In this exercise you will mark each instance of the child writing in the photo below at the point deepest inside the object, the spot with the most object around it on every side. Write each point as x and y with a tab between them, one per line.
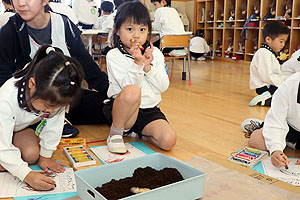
282	123
137	78
265	70
40	93
198	46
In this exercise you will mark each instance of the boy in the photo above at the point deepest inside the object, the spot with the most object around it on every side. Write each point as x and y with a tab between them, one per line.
107	8
9	11
166	20
265	70
281	127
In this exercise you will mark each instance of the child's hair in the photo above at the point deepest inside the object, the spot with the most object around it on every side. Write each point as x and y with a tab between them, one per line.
134	12
199	33
167	1
8	2
118	3
273	29
57	77
107	6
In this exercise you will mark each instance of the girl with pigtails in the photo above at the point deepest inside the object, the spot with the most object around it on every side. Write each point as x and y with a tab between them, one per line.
32	109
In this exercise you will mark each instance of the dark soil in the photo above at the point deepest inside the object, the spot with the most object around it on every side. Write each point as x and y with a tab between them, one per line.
142	178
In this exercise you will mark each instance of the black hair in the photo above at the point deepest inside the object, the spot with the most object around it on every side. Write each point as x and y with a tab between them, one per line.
118	3
133	11
57	77
159	1
56	1
8	2
107	6
273	29
199	33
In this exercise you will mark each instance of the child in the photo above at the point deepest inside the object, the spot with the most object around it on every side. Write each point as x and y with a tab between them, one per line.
137	77
107	8
26	31
292	65
282	123
9	11
198	46
265	70
32	108
166	20
86	12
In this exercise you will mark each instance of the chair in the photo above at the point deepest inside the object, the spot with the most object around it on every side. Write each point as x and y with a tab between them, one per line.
178	41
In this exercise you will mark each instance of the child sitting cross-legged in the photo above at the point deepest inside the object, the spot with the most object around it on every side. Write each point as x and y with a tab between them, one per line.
265	70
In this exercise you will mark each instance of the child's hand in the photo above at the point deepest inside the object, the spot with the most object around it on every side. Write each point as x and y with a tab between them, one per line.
148	58
298	162
48	163
39	181
279	159
136	52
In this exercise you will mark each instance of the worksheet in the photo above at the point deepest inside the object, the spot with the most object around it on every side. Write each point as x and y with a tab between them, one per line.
290	175
11	186
107	157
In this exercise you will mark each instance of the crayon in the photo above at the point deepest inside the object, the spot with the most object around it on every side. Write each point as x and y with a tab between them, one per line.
140	47
286	166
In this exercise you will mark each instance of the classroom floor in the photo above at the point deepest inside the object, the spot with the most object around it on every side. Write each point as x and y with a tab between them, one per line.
206	115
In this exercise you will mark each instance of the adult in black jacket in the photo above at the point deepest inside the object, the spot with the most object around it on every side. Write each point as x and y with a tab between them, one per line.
20	39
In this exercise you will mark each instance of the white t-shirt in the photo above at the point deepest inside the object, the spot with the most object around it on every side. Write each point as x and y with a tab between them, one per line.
4	17
122	71
100	21
64	9
291	66
285	109
199	45
265	70
85	11
167	22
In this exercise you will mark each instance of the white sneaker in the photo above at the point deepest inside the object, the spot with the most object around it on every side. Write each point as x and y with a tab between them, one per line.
115	144
201	58
250	125
260	99
193	58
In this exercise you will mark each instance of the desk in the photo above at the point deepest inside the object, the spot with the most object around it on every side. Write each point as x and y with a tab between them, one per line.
89	33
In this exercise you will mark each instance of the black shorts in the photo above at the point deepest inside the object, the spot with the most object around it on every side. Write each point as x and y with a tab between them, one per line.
293	135
145	116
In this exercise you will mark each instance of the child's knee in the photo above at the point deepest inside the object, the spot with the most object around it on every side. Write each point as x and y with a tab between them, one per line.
256	139
131	93
168	141
31	155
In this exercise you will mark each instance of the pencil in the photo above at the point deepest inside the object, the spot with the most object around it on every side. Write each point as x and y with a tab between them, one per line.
286	166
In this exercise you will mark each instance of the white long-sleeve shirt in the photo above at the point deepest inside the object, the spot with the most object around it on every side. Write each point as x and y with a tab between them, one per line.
265	69
86	12
167	22
122	71
14	119
64	9
199	45
285	109
291	66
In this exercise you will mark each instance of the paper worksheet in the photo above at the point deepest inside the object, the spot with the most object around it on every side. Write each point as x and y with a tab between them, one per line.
290	175
11	186
107	157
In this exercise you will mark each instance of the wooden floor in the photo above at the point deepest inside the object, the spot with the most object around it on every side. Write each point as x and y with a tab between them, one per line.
206	116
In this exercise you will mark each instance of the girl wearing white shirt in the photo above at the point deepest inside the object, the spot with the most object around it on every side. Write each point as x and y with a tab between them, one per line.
32	110
137	77
198	46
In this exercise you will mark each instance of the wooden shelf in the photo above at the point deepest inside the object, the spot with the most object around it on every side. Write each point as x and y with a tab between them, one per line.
221	11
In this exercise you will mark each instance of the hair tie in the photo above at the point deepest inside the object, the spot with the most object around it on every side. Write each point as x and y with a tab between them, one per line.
72	83
49	49
67	63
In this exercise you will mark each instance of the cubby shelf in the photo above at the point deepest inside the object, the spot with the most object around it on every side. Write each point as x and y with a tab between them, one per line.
215	18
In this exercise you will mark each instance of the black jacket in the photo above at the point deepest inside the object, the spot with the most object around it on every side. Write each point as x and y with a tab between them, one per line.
15	51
